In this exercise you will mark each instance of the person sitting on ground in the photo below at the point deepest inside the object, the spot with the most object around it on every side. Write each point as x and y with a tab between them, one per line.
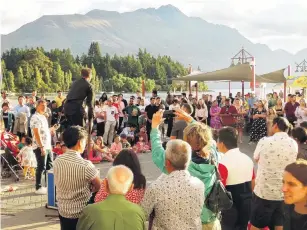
143	134
115	212
141	146
73	193
178	206
57	149
300	135
130	133
128	158
125	142
295	195
63	148
101	151
116	146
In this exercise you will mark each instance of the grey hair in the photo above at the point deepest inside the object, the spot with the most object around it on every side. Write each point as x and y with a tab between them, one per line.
119	179
179	153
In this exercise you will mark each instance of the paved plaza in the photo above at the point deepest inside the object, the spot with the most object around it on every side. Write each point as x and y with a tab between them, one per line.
22	209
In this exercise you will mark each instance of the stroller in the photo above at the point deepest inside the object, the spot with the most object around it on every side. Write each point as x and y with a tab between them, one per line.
9	151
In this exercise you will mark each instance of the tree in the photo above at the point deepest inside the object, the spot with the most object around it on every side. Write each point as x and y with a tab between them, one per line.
10	81
95	79
19	79
46	78
202	87
57	68
58	77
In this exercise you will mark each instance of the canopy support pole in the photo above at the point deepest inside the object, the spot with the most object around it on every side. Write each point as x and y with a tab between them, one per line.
143	88
228	88
285	91
285	83
254	75
196	91
242	89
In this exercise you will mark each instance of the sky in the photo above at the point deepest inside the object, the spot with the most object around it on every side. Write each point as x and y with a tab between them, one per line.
280	24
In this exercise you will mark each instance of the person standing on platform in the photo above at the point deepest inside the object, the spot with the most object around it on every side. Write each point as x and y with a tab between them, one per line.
80	90
41	146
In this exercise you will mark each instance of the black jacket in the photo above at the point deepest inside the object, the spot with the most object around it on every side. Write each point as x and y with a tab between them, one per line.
79	91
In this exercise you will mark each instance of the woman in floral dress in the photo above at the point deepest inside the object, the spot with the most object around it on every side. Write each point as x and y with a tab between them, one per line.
259	129
215	122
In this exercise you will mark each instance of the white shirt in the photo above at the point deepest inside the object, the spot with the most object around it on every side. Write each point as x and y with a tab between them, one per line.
274	154
201	112
177	199
40	121
98	109
237	174
173	107
301	114
127	132
22	109
142	108
111	111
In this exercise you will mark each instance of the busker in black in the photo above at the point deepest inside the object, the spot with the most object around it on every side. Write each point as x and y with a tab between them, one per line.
79	91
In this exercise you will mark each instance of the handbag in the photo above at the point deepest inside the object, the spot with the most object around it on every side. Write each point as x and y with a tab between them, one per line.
219	199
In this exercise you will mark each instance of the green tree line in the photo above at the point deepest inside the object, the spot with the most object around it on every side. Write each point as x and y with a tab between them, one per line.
48	71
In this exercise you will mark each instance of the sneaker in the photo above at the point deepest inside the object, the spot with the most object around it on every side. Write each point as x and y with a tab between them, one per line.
41	191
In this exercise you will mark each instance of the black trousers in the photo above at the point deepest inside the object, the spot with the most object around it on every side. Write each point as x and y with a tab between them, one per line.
100	129
75	119
169	127
119	128
68	224
148	129
44	163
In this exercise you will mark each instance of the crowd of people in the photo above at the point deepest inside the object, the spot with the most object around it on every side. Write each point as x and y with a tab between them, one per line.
206	181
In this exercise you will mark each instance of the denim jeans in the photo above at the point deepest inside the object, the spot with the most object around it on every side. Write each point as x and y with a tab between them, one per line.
44	163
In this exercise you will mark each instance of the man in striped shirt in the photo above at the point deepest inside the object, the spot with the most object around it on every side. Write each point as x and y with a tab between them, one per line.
73	177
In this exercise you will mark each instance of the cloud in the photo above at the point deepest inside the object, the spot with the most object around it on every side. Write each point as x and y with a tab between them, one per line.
281	24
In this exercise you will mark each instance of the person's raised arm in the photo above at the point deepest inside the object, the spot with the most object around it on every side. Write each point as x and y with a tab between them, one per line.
157	150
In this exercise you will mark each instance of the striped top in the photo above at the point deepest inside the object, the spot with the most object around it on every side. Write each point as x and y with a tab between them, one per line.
72	178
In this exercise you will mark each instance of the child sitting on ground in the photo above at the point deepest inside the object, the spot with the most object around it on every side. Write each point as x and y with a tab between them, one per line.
57	149
102	151
141	146
27	159
130	133
63	148
116	147
125	142
143	134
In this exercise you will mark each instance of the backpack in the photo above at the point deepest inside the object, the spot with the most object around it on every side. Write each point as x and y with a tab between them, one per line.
219	199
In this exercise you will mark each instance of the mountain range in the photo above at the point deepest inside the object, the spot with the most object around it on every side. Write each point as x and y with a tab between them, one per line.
164	31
